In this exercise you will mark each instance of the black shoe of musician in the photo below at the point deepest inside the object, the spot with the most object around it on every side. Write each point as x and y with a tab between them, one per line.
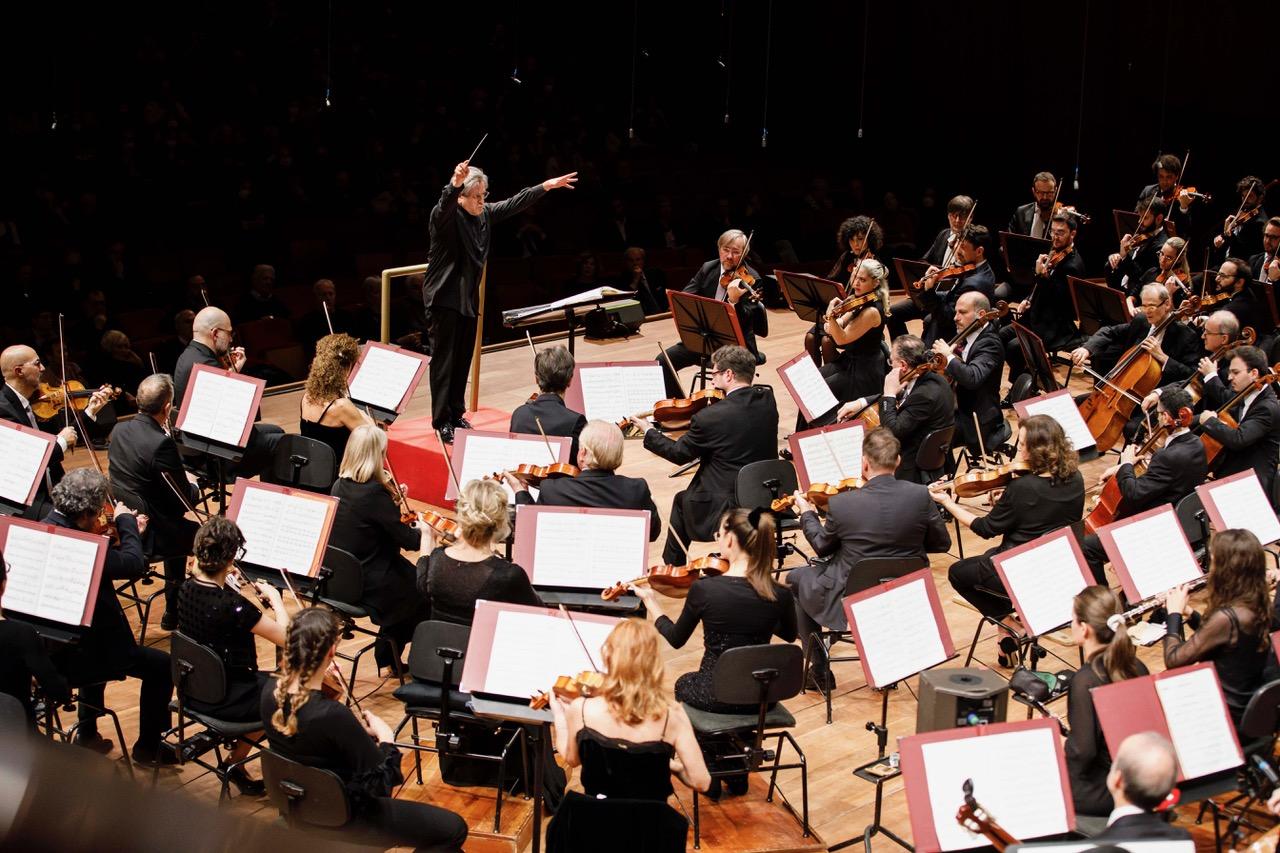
169	622
1006	403
785	453
245	785
446	433
737	785
158	756
462	423
821	680
95	742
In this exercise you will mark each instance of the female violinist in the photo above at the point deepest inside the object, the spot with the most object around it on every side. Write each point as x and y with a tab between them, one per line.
859	238
1171	269
1049	496
327	413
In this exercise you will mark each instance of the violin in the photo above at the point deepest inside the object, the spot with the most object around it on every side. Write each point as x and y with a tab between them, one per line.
945	272
819	494
742	274
670	579
105	525
850	304
52	399
584	684
1194	384
1242	216
676	413
535	474
238	582
1177	190
1059	207
973	483
1212	447
1052	261
446	529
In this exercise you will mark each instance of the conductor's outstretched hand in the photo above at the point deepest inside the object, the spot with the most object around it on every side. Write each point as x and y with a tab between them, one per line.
563	181
460	173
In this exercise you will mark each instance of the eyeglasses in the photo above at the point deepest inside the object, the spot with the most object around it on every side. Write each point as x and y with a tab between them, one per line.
227	332
1224	275
1153	306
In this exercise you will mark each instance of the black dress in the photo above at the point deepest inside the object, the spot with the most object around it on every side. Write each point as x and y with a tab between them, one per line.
1088	761
732	615
22	658
452	587
334	436
1230	637
859	369
223	620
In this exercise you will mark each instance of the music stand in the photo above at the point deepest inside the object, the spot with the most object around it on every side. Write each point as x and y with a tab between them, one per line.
23	447
1263	292
1037	358
572	308
384	378
704	325
1126	222
911	271
221	448
1020	253
808	296
1097	305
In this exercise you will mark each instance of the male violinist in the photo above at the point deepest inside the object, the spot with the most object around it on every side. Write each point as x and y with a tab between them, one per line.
975	365
1255	441
1233	279
1033	219
1138	251
942	294
1048	310
718	280
1265	265
1168	168
916	409
941	253
547	413
1221	335
1243	240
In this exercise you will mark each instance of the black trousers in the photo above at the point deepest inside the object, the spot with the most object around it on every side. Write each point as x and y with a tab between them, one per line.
152	667
681	357
401	632
679	526
1095	556
453	338
967	575
387	822
902	311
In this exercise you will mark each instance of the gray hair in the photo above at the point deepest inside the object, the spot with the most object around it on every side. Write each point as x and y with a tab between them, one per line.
603	443
1148	769
729	236
1158	289
474	176
154	392
1227	322
553	369
81	491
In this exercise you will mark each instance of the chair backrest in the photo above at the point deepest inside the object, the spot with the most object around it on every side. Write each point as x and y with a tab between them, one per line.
430	638
740	673
305	794
346	576
934	453
303	463
871	571
198	673
1190	512
1024	387
1262	714
751	489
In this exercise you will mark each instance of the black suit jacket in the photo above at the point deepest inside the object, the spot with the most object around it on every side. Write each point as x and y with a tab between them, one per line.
938	249
596	488
751	315
885	518
1137	827
977	384
195	353
1137	262
741	428
1173	473
1254	444
1022	219
1180	342
141	453
556	419
1052	315
1250	310
930	406
942	313
12	410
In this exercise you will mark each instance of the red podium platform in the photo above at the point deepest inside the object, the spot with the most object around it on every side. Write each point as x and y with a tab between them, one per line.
418	458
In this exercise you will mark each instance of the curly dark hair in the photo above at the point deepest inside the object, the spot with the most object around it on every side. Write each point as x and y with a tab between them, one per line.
217	542
335	356
1048	451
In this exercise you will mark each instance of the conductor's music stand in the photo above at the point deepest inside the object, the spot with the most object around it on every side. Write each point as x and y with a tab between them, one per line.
808	296
704	325
1096	305
1020	253
1037	358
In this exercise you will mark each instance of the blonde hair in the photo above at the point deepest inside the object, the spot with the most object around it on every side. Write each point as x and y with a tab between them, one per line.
603	443
362	460
633	683
879	273
312	632
482	513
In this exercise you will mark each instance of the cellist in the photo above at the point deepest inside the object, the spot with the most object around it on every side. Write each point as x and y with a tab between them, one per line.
1254	442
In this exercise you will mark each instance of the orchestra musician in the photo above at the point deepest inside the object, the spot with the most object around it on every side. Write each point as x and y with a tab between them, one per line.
1144	772
1168	169
23	658
887	517
598	484
942	295
1265	265
941	253
741	428
1245	239
859	238
108	651
1032	219
1171	269
1109	656
461	229
1049	496
547	414
1255	441
308	727
1048	310
226	620
327	413
146	468
975	365
1173	472
752	318
1234	277
1131	261
1220	331
211	345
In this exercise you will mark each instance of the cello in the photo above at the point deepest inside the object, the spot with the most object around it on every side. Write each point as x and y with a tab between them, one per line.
1135	375
1107	507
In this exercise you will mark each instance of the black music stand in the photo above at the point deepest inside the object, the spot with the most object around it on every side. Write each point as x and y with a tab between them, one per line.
1097	305
909	272
808	296
1020	253
221	454
704	325
1264	293
1126	222
1037	358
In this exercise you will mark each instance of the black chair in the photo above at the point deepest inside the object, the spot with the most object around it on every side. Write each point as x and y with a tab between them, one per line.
199	674
1023	388
305	796
49	719
1195	526
302	463
435	667
340	589
761	483
934	456
762	676
865	574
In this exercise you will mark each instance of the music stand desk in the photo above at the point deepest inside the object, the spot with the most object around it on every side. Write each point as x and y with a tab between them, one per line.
571	310
623	605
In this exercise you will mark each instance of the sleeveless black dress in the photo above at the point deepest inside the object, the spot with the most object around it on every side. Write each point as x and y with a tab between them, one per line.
334	436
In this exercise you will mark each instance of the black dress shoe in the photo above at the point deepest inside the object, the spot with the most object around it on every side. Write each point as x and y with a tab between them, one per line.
95	743
737	785
785	453
446	433
158	756
169	622
462	423
245	785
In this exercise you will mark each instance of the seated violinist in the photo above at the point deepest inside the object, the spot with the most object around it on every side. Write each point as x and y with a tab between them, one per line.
1265	264
941	294
941	253
546	414
1241	233
885	518
599	455
1138	251
1048	496
1171	269
1232	288
859	238
1048	309
974	365
1254	442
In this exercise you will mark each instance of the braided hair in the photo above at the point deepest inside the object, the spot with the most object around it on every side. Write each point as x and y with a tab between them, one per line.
312	633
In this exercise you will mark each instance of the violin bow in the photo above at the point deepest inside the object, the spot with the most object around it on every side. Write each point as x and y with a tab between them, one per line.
826	439
448	463
1204	279
528	337
574	626
404	502
538	421
205	296
662	351
949	255
324	306
62	351
186	504
977	430
1226	232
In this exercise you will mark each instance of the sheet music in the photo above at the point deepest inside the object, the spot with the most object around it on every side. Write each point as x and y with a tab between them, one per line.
613	393
50	575
898	632
1199	727
531	650
809	388
484	455
1156	554
1062	408
1242	504
585	550
219	407
1044	579
281	531
384	377
816	451
1015	778
23	455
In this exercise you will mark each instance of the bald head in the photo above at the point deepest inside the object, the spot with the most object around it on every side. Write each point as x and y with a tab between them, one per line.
14	357
975	301
206	326
21	368
1144	771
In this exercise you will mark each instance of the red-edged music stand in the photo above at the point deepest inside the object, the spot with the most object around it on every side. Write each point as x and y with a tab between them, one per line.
808	296
1020	574
17	440
42	615
591	574
806	411
575	401
372	353
1167	528
1096	304
321	536
1020	253
1126	222
1060	405
803	475
1239	501
538	452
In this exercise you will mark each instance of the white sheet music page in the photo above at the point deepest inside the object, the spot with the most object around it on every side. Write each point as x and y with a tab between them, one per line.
485	455
1015	778
898	632
1044	580
281	531
1062	408
49	575
532	650
809	388
821	465
1198	723
219	407
383	378
619	391
1156	554
23	455
1242	504
579	549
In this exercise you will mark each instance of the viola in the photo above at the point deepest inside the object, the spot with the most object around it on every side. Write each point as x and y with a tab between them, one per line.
945	272
1194	384
671	579
819	494
678	412
535	474
850	304
973	483
570	688
446	528
52	399
1212	447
